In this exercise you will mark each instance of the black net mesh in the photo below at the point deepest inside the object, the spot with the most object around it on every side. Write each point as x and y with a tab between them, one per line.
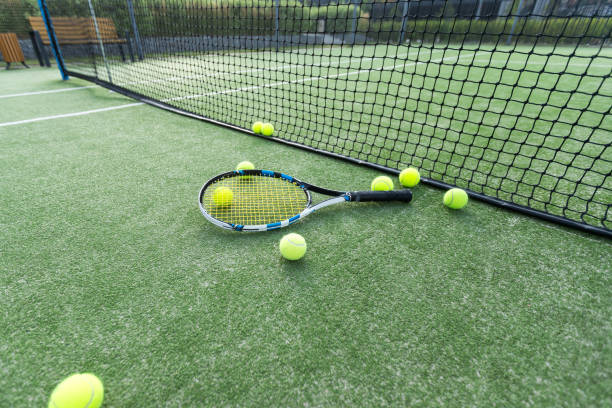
509	99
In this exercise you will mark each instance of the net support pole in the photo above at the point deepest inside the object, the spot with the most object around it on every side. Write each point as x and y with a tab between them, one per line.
135	30
354	24
404	17
276	22
540	8
516	17
479	10
57	52
95	21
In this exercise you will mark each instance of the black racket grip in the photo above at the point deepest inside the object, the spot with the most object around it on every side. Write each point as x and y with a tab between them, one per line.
398	195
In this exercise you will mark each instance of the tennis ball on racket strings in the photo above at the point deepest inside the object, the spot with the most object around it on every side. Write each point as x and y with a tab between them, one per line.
293	247
409	177
78	391
382	183
455	198
267	129
222	196
245	165
257	127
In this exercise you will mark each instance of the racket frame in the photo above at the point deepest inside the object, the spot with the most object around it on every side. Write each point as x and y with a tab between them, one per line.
337	197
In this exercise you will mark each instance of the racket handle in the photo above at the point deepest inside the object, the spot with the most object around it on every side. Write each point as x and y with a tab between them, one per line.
399	195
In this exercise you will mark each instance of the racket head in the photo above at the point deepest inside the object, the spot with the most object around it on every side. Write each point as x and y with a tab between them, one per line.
260	200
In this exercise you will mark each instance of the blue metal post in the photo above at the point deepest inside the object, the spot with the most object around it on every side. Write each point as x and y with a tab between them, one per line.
57	53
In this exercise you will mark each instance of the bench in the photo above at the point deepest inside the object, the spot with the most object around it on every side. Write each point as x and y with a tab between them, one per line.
81	31
11	50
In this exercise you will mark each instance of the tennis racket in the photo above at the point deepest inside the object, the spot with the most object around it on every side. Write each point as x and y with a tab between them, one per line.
263	200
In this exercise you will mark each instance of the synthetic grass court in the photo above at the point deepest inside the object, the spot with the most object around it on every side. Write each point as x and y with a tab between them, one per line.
523	124
107	266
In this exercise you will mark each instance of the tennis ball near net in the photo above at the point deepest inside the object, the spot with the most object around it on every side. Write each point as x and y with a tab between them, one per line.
267	129
222	196
78	391
409	177
382	183
455	198
293	246
257	127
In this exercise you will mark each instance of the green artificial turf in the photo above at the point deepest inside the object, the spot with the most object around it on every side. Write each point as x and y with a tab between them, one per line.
107	266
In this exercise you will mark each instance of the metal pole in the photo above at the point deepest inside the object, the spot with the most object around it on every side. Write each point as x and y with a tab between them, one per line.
354	28
479	11
95	21
276	23
38	50
598	8
135	30
404	17
516	17
57	52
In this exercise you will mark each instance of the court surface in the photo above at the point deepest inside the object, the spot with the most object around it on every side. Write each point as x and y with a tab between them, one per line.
107	266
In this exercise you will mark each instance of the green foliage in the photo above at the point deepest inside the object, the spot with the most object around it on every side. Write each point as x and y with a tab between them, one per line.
75	8
234	17
258	18
339	18
544	31
242	17
14	14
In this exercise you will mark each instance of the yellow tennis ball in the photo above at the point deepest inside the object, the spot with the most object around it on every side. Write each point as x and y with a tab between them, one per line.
455	198
267	129
293	247
78	391
382	183
222	196
245	165
257	127
409	177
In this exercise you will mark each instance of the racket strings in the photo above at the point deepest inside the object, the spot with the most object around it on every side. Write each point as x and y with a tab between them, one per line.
255	200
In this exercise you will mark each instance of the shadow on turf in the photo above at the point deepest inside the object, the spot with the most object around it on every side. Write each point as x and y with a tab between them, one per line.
299	272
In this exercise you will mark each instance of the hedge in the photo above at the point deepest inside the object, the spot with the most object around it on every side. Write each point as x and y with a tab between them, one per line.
257	17
542	31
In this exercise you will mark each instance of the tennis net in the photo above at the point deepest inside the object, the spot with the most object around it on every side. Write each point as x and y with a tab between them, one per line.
508	99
